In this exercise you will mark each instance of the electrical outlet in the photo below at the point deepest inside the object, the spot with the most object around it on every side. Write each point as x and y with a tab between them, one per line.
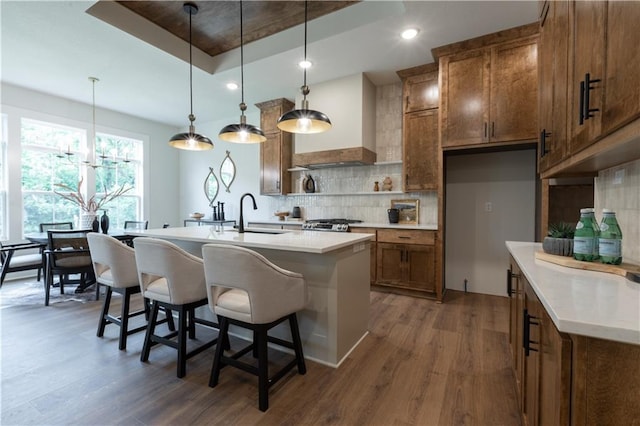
488	206
618	177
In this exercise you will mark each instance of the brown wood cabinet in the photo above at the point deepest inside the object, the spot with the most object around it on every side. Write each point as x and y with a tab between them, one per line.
275	152
566	379
488	90
420	148
553	74
406	260
605	79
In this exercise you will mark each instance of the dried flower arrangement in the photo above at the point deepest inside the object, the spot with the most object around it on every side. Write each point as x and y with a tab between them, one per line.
92	204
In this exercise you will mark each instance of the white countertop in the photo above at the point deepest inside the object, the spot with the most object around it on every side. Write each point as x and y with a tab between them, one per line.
288	240
352	225
588	303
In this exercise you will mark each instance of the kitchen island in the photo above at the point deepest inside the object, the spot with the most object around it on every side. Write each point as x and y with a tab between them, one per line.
335	267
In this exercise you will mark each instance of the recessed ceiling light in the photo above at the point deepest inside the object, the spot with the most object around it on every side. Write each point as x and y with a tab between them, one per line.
409	33
232	86
305	64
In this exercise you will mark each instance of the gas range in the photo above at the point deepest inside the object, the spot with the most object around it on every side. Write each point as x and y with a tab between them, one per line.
328	225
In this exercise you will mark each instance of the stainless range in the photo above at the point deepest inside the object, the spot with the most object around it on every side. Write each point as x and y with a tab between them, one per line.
329	225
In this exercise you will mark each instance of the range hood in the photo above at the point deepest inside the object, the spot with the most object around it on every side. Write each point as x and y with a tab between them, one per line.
350	103
344	157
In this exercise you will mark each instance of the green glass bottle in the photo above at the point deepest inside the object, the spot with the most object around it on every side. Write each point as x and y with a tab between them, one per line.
585	239
610	242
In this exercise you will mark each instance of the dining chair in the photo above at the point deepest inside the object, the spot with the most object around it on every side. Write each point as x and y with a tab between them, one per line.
247	290
44	227
67	253
135	224
13	261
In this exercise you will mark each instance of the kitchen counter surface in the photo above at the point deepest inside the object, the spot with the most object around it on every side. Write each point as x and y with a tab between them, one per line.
289	240
593	304
353	225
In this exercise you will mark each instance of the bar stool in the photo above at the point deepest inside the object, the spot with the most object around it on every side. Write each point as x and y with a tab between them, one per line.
247	290
174	279
114	265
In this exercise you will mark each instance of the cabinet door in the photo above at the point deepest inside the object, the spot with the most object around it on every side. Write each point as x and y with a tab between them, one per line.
514	92
420	267
515	321
464	98
553	77
390	260
531	372
420	92
622	86
420	151
272	169
587	38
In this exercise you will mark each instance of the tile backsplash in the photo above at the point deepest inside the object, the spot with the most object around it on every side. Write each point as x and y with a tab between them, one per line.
618	189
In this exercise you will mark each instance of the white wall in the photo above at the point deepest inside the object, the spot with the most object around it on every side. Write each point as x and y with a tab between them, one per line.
161	179
475	237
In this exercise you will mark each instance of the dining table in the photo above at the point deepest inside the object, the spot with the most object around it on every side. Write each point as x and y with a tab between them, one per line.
42	238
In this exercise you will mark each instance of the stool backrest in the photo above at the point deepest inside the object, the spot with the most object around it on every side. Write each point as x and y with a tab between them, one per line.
273	291
114	263
184	272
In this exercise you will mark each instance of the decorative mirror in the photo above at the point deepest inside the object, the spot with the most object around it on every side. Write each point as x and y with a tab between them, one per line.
211	186
227	171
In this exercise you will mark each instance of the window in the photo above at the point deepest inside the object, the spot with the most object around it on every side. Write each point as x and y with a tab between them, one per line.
47	159
54	153
123	159
3	177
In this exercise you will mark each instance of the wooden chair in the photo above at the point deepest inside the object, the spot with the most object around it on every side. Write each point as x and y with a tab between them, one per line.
68	253
13	261
134	224
44	227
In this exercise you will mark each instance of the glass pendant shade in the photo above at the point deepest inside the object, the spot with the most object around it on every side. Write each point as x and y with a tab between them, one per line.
242	132
304	120
190	140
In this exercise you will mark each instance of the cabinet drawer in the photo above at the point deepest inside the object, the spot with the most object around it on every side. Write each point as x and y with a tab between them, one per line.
408	236
365	231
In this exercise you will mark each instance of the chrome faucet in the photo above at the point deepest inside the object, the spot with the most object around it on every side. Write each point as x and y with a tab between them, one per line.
255	207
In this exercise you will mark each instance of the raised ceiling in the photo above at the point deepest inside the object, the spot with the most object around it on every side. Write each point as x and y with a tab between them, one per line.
216	26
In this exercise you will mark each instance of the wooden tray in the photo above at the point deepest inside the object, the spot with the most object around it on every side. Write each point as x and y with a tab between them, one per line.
628	270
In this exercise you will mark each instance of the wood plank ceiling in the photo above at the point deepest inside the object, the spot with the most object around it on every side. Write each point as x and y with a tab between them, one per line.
216	26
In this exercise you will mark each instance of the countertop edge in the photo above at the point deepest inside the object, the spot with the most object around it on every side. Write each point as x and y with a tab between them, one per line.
555	296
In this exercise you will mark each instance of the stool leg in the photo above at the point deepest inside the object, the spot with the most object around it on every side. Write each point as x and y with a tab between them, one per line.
223	336
105	312
169	315
124	319
192	323
182	341
297	343
263	369
151	328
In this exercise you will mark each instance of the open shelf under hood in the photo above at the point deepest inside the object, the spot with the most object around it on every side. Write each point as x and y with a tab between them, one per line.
358	156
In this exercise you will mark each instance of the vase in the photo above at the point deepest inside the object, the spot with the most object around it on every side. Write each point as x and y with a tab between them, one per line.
104	222
86	220
95	225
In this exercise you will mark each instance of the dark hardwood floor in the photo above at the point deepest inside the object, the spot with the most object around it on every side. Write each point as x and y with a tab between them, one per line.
422	363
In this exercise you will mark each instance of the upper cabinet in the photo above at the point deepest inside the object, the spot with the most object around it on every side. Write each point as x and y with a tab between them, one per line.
420	153
275	152
603	86
605	79
553	74
488	89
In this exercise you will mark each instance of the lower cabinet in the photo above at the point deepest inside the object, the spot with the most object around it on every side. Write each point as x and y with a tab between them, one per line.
406	260
566	379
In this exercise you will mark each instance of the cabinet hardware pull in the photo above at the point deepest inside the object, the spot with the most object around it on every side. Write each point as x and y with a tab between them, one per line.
407	103
404	237
526	332
510	290
493	129
581	112
485	129
406	180
588	87
543	142
278	185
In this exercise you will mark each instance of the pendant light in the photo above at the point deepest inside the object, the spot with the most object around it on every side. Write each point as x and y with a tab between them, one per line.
243	132
191	140
304	120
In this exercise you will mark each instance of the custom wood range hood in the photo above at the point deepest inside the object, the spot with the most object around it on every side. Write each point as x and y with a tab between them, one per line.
358	156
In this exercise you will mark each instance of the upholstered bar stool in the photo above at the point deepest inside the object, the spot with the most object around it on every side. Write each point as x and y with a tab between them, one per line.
174	279
114	265
247	290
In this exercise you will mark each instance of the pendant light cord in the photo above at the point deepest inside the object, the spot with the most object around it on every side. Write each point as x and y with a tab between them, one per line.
241	61
305	44
190	70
